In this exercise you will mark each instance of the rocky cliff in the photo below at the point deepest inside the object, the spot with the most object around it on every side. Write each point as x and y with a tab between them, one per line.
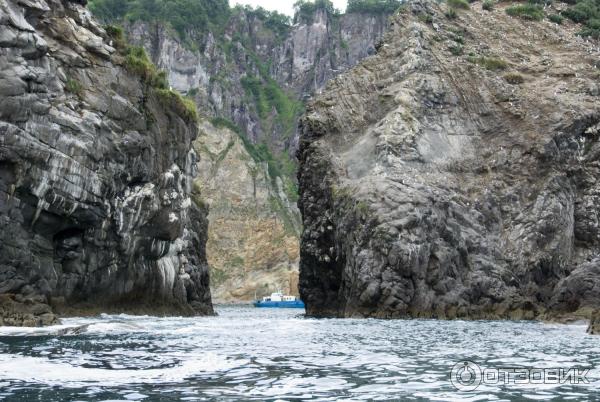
455	173
252	244
241	75
254	76
96	170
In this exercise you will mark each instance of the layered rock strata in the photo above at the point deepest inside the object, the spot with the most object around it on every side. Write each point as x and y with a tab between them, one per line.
455	173
95	176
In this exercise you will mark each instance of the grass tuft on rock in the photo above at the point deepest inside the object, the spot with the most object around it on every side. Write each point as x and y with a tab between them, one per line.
456	49
489	63
74	87
117	35
514	78
185	107
425	18
458	4
488	5
556	18
450	14
138	62
532	12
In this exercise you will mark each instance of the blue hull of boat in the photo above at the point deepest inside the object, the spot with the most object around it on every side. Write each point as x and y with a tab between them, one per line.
280	304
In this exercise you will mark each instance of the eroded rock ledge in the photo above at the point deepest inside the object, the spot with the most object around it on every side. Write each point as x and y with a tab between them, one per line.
95	177
455	173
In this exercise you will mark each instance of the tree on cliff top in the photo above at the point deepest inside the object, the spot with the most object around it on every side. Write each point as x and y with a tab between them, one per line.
304	10
181	15
373	6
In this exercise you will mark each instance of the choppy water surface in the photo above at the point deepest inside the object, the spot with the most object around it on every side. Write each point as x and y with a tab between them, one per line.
277	354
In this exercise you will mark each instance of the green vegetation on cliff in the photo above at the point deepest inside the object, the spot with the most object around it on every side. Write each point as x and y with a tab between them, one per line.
267	96
186	16
373	6
279	165
182	15
137	62
526	11
189	18
306	9
279	24
586	12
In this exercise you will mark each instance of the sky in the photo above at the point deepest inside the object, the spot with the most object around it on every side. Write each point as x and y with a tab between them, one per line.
283	6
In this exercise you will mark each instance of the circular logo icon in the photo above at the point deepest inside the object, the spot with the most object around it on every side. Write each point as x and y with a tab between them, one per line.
466	376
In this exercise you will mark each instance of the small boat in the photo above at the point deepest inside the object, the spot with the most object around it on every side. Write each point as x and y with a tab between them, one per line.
279	300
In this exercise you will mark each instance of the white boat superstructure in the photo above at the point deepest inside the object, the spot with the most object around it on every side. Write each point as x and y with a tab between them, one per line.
277	297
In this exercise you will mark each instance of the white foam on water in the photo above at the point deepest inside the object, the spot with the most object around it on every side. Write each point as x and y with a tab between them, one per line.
34	331
58	373
248	353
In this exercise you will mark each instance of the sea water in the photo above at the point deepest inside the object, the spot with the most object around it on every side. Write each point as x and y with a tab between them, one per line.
278	354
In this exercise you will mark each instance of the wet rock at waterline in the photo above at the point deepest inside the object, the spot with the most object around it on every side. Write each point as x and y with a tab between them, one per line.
594	328
95	176
454	174
17	310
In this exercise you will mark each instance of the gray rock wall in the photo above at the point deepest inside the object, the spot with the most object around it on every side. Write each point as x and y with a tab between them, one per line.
254	223
435	183
301	63
95	175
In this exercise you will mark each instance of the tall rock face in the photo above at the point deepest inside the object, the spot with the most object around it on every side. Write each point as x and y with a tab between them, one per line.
455	173
253	244
258	79
220	71
95	177
325	45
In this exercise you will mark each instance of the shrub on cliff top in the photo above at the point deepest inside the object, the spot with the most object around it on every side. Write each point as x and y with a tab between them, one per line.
304	10
591	29
138	62
459	4
586	12
117	34
373	6
487	5
182	15
279	24
489	63
583	10
526	11
185	107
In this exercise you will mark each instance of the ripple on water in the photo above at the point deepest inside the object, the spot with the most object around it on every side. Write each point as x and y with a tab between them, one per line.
247	353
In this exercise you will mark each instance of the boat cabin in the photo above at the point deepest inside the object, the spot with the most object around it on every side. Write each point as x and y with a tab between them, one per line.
278	296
